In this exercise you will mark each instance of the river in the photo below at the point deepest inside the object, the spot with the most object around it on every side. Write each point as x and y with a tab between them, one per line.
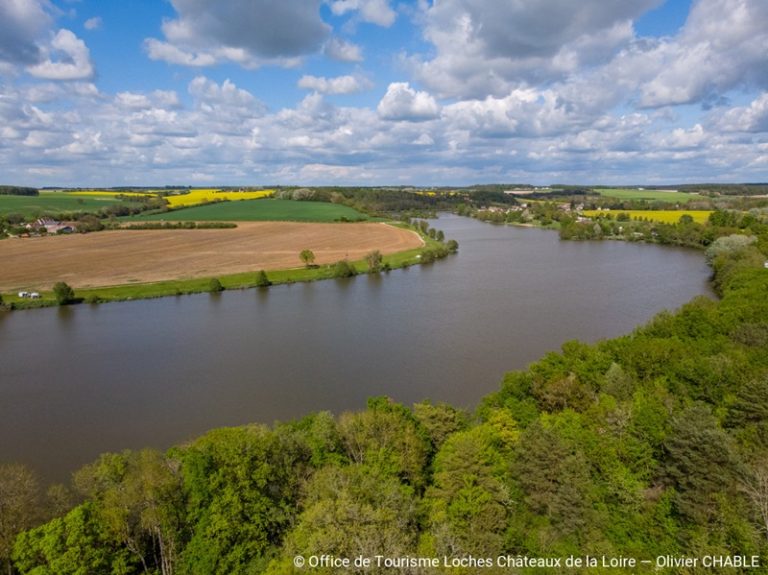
81	380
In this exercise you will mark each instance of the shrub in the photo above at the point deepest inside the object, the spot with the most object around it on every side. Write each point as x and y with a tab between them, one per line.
64	293
262	280
343	269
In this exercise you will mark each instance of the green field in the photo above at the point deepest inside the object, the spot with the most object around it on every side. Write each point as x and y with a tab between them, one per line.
53	203
259	211
649	195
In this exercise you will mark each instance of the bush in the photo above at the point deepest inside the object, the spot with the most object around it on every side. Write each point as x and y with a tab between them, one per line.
215	286
727	246
262	280
374	260
343	269
64	293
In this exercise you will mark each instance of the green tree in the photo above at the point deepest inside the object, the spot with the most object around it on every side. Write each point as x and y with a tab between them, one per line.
18	506
241	486
75	544
343	269
555	479
699	462
214	286
469	502
351	511
374	260
137	497
754	484
64	293
439	421
262	280
307	257
386	433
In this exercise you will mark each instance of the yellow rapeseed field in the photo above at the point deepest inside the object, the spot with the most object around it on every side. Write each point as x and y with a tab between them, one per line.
192	198
664	216
107	193
200	196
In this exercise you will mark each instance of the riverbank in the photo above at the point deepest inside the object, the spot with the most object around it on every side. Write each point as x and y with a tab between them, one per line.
429	251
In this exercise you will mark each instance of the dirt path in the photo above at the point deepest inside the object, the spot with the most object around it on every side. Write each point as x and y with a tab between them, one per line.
139	256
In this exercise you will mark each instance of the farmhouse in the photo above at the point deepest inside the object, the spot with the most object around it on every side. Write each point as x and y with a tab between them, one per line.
51	226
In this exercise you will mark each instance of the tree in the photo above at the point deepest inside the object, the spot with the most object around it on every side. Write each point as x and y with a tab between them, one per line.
699	462
343	269
728	245
18	506
215	286
755	485
64	293
262	280
374	260
71	545
307	257
350	511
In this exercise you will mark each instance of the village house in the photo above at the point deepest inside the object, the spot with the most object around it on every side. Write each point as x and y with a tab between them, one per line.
51	226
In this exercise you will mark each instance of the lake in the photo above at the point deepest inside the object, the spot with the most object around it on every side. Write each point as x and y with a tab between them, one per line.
78	381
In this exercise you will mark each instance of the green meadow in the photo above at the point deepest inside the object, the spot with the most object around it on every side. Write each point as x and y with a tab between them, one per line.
53	203
258	211
648	195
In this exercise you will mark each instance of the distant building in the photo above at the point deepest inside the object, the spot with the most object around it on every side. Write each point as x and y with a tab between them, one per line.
51	226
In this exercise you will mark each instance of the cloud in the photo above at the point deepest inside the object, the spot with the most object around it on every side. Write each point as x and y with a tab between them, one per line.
73	59
491	46
338	85
94	23
721	47
158	50
247	32
159	98
752	118
376	12
401	102
21	24
226	99
342	50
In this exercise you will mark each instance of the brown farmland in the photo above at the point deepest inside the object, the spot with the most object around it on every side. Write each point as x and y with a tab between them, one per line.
140	256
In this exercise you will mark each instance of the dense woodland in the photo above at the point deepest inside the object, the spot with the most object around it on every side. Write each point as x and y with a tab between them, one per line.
651	444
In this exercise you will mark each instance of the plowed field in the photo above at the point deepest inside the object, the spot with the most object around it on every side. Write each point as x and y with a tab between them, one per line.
139	256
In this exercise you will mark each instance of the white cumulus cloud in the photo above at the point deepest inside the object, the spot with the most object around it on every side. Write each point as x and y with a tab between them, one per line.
401	102
67	58
342	50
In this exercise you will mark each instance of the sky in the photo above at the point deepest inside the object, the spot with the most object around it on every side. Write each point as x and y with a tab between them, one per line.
382	92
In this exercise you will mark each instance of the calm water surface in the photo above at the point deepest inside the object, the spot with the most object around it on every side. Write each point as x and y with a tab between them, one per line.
75	382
